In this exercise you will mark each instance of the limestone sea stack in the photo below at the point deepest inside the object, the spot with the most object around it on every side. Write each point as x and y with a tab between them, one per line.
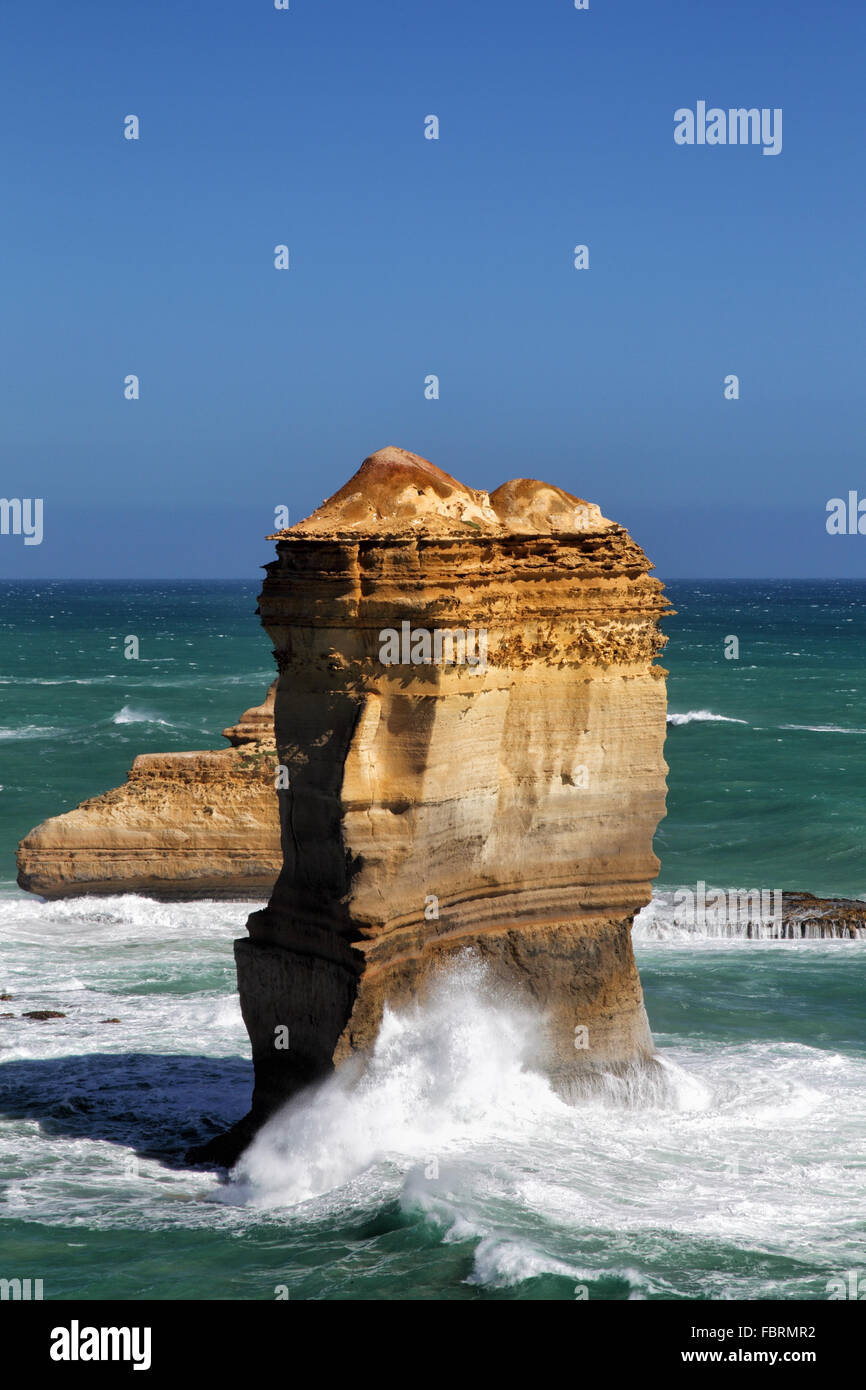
185	825
472	729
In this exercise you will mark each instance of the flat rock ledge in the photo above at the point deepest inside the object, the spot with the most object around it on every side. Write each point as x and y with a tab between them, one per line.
184	826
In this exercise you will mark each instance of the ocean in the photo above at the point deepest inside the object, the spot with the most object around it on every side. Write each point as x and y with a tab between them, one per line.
450	1170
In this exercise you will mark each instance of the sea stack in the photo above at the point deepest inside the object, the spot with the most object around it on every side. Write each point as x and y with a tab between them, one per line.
494	788
185	825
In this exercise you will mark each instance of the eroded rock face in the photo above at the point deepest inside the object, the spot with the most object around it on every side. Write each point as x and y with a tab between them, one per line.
185	825
506	807
807	918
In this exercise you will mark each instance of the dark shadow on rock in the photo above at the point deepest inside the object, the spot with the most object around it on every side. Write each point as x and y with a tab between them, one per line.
158	1104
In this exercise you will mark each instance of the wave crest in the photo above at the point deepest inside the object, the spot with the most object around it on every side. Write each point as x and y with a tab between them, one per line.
703	716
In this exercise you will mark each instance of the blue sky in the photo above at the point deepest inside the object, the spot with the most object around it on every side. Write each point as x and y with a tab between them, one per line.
411	256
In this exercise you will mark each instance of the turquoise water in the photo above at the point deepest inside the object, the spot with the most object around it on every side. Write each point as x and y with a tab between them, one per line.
776	800
74	711
450	1171
779	799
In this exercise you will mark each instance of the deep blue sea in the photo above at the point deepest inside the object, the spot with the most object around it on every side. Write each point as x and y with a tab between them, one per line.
451	1170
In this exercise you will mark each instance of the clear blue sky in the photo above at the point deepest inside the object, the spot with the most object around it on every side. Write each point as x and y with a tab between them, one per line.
411	256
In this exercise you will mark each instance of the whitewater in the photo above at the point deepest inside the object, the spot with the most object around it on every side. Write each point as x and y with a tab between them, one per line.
447	1160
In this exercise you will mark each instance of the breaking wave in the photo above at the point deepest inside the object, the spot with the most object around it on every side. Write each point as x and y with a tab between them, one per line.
703	716
128	715
454	1074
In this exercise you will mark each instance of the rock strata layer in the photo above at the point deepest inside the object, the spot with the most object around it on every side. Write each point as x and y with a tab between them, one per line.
185	825
439	802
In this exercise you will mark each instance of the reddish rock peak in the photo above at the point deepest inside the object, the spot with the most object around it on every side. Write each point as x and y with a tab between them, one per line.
395	492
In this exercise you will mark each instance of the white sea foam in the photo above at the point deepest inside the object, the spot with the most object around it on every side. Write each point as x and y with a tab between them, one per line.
703	716
439	1076
30	731
752	1146
823	729
62	680
107	923
129	715
450	1113
499	1262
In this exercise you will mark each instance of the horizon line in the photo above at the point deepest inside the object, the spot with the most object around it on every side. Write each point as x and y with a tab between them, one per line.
240	579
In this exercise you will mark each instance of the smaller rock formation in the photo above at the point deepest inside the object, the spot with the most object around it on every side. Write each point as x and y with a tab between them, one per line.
185	825
757	916
256	725
805	917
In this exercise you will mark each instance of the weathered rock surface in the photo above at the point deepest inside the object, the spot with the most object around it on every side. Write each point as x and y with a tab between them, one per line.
507	807
805	918
185	825
776	915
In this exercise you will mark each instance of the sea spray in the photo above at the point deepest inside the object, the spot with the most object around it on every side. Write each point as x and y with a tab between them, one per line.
702	716
450	1070
461	1068
129	715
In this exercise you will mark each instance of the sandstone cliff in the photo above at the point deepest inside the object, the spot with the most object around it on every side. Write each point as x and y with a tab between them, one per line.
502	801
185	825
